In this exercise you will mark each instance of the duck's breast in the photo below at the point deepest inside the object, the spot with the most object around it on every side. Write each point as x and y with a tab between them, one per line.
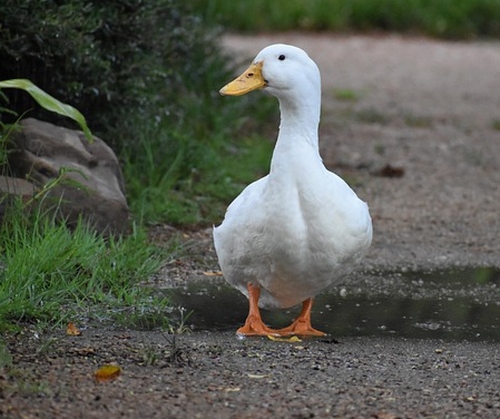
292	241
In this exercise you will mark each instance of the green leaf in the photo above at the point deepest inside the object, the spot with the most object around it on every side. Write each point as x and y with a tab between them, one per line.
48	102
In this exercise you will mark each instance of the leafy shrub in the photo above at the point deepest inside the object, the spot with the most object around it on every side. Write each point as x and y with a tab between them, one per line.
109	59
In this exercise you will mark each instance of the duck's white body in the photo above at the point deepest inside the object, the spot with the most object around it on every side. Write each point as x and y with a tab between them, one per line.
301	228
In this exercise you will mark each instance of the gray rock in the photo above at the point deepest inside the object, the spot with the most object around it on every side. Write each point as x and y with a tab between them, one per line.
92	185
16	186
11	187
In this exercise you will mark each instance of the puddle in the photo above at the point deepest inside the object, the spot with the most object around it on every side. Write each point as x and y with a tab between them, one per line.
449	304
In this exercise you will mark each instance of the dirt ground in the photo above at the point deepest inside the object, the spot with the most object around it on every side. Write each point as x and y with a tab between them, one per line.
414	124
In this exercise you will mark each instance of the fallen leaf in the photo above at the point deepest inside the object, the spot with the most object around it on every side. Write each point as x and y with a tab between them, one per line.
107	373
82	351
212	273
72	330
391	171
290	339
258	376
384	415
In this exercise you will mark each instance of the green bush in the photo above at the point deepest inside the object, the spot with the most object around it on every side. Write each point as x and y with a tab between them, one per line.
111	60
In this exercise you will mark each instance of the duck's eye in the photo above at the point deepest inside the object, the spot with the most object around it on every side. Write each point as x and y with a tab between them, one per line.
281	57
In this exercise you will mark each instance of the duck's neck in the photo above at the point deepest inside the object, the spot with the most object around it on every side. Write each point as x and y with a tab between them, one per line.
298	131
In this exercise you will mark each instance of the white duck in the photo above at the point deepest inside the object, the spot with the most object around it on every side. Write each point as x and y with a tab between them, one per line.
295	232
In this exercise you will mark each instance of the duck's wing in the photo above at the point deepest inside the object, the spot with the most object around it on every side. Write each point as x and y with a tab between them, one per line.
247	201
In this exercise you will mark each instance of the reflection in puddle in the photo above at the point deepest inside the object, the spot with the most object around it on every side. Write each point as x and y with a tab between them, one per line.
450	305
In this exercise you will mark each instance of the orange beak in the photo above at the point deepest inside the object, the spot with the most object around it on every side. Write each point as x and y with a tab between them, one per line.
251	79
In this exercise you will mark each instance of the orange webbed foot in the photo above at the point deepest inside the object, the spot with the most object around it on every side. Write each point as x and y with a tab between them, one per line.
300	329
255	327
302	325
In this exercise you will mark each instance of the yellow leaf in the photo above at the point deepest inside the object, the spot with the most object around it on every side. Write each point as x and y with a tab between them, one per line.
290	339
72	330
107	373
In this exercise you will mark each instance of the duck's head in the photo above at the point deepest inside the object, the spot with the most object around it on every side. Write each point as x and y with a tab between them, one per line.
279	69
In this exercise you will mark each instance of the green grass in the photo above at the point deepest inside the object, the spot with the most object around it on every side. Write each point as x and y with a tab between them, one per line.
5	356
216	175
187	174
50	274
440	18
346	95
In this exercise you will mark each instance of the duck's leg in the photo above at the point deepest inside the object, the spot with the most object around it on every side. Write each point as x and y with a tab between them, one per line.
302	324
254	326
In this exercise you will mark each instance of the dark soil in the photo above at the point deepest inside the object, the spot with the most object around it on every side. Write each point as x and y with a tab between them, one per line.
414	126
